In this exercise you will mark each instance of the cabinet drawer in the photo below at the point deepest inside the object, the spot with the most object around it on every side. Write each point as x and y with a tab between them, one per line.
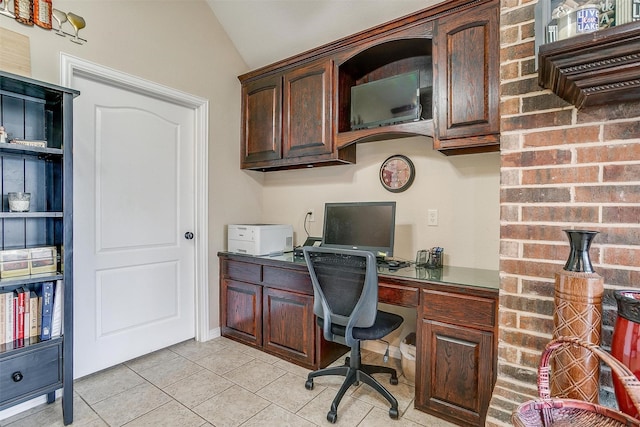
40	370
465	310
283	278
243	271
398	295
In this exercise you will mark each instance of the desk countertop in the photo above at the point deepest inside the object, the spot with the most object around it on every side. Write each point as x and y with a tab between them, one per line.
464	276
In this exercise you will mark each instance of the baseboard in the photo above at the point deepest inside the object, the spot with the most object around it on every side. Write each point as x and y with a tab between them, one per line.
25	406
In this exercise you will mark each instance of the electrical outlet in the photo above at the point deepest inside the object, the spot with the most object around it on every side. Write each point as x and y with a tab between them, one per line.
311	214
432	217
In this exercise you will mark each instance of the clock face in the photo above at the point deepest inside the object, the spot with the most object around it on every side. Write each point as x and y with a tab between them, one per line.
397	173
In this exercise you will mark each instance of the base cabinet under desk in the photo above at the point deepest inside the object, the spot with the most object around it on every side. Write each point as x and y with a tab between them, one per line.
267	303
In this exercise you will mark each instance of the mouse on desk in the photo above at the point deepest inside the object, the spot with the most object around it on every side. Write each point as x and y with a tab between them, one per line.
393	265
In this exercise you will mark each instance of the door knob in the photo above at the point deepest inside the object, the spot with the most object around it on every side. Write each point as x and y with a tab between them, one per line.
188	235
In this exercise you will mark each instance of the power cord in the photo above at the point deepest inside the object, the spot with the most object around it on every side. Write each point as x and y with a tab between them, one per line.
385	358
305	222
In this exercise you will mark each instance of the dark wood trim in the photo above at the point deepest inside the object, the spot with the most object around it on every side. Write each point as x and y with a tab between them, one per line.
593	69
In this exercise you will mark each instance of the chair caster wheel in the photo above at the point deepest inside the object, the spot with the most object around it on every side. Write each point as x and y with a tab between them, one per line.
308	385
394	381
393	413
332	417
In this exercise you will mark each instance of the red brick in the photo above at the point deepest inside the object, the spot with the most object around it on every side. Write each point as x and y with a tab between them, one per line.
535	323
562	136
534	121
520	87
510	106
617	235
535	195
621	173
608	194
520	338
528	67
611	111
533	232
528	30
517	51
509	284
545	101
508	319
627	257
538	287
621	214
509	213
528	268
509	35
567	213
517	16
560	175
537	158
622	130
545	251
509	250
608	153
509	71
509	141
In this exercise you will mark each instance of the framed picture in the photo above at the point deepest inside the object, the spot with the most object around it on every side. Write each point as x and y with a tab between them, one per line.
42	13
23	10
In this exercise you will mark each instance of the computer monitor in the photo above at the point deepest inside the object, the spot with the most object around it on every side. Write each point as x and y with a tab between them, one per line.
368	226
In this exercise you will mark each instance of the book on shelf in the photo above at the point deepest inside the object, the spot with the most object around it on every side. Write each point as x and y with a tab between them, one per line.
19	314
9	317
26	325
29	143
56	317
35	314
46	292
3	332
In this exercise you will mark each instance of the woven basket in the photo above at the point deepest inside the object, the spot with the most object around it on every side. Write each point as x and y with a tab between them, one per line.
547	411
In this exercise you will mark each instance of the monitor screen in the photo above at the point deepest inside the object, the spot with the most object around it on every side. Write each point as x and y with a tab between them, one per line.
368	226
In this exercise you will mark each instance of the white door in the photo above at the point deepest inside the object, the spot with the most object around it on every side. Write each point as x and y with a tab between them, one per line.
134	202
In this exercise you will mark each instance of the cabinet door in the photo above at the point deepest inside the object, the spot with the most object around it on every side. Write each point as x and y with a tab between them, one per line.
288	325
241	311
262	120
307	110
466	76
454	373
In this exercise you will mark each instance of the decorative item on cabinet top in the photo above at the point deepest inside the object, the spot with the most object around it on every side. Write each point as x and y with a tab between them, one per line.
42	14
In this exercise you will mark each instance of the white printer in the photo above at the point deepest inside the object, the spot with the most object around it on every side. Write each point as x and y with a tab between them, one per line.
260	239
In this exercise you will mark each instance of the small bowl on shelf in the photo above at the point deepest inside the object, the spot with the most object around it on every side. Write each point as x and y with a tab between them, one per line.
19	202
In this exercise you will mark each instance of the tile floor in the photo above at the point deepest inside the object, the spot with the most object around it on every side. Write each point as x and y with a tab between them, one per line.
222	383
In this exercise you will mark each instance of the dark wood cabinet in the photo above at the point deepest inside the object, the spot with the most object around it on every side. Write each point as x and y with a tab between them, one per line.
36	365
242	311
456	336
262	121
259	303
287	120
466	81
281	310
296	113
268	303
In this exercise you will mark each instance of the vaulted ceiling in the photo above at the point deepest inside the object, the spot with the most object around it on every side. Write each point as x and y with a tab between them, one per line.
266	31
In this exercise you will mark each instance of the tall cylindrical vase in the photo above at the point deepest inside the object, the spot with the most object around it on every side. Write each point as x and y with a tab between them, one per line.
578	313
625	343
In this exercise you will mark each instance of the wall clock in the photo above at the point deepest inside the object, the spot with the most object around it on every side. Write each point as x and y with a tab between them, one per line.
397	173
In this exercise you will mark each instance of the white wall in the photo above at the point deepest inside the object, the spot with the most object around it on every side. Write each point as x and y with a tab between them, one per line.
178	44
464	190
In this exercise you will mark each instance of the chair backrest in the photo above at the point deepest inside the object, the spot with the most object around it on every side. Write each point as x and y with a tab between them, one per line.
345	288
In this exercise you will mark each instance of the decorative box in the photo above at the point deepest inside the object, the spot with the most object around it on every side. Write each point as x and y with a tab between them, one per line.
43	260
14	263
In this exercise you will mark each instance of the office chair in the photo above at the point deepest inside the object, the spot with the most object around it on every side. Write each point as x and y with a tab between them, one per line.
345	289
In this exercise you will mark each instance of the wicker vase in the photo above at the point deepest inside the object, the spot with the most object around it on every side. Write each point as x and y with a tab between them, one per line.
625	344
578	313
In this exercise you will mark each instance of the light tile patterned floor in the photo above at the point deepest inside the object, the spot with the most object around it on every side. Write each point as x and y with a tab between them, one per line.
222	383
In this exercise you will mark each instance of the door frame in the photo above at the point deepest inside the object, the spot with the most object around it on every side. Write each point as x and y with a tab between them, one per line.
71	66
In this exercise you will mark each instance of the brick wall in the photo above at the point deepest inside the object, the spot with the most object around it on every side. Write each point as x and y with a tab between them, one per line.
561	168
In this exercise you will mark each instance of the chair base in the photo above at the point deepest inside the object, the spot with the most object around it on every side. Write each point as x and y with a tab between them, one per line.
354	372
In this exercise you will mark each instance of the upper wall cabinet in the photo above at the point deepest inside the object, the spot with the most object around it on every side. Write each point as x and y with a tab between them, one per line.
299	112
466	75
287	120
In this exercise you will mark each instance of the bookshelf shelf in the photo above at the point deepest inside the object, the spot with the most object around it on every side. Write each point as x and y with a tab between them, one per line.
36	311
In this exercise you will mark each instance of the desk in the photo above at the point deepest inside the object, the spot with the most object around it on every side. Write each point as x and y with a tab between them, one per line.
267	302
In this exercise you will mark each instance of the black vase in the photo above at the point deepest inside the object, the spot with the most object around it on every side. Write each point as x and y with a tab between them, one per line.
579	260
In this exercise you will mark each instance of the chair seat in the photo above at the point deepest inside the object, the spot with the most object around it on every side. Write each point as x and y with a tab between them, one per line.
385	324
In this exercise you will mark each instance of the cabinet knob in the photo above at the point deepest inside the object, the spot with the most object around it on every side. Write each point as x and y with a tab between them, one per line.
188	235
17	376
